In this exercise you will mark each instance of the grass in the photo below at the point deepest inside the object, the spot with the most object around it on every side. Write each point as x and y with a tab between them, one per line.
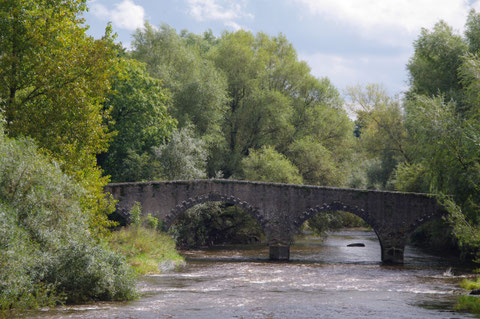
145	249
469	303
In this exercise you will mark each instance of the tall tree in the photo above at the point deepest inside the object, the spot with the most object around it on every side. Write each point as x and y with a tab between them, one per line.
273	98
434	65
53	79
140	118
198	90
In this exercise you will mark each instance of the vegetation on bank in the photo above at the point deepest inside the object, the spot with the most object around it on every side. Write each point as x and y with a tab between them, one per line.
147	249
48	254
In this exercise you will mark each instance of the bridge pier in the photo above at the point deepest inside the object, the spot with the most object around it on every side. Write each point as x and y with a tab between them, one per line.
279	252
392	255
393	247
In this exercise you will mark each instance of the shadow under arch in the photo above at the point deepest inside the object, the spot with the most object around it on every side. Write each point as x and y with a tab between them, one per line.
179	210
332	207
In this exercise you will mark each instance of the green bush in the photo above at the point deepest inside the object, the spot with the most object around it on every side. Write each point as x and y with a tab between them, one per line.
47	253
136	214
145	249
151	222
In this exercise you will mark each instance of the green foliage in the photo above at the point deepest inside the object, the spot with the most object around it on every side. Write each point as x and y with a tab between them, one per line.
270	166
446	145
433	67
53	79
472	31
442	121
411	178
145	248
468	303
183	157
316	163
140	119
136	215
382	138
197	88
273	100
151	222
215	224
47	253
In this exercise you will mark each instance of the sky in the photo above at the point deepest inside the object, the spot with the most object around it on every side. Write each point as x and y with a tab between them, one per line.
352	42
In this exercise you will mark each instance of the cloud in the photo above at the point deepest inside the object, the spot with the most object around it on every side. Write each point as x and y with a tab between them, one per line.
375	16
226	11
347	70
125	15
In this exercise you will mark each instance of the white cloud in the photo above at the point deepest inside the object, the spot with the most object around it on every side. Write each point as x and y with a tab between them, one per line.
125	15
373	16
350	70
227	11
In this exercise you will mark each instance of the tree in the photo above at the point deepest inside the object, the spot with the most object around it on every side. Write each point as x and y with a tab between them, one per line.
273	98
381	133
270	166
197	88
53	79
316	163
140	118
434	65
183	157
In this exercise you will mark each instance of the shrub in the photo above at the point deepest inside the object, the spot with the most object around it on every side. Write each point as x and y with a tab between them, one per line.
145	249
47	253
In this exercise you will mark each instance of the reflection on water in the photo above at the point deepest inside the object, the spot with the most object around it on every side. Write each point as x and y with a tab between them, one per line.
324	279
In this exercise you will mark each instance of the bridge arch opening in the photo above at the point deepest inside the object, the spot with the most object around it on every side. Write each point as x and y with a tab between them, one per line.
341	216
215	220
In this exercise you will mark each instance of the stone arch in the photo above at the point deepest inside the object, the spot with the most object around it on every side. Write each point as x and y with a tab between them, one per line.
212	197
339	206
424	219
334	206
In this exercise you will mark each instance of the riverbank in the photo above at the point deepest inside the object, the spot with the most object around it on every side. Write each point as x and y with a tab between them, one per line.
148	251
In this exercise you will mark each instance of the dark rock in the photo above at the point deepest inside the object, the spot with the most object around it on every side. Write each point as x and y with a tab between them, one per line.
475	292
356	245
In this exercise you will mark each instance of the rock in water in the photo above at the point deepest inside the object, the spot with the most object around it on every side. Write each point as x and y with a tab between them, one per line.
475	292
356	245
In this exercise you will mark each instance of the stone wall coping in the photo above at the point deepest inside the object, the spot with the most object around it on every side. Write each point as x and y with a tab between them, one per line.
299	186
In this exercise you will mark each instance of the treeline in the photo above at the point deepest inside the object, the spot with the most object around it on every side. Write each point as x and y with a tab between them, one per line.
238	105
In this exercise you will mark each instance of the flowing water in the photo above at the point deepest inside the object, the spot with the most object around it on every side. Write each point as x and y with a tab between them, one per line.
324	279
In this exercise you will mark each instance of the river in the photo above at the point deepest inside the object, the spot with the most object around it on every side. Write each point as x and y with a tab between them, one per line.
324	279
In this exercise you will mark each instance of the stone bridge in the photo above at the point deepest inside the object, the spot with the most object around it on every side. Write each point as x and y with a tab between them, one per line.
281	208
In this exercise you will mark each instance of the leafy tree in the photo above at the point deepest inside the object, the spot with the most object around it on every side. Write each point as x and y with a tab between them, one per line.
434	65
197	88
183	157
270	166
141	121
472	31
273	98
381	132
53	79
446	146
316	163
